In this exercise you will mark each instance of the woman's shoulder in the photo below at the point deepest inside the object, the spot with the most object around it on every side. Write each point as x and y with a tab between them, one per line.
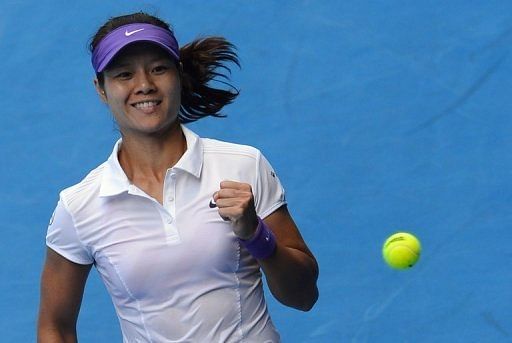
85	188
218	147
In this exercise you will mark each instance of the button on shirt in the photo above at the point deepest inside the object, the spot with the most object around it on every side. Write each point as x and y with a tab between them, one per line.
175	271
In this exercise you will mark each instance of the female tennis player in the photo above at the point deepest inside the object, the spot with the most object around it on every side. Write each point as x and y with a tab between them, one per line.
179	227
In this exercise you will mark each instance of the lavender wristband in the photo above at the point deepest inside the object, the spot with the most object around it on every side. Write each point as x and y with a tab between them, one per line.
263	244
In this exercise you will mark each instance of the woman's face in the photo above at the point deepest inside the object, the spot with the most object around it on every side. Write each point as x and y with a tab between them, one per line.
143	90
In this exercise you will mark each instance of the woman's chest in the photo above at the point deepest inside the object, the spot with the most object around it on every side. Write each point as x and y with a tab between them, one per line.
147	248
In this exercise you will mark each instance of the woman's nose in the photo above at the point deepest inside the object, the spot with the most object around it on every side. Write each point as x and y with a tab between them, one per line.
144	83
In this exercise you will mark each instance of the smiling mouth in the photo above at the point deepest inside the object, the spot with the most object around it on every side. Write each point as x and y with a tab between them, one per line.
146	105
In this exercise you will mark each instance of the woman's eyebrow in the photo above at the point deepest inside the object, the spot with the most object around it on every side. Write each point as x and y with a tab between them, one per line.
160	59
125	64
117	66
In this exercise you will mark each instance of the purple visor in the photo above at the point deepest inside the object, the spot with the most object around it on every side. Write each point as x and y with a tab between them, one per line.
112	43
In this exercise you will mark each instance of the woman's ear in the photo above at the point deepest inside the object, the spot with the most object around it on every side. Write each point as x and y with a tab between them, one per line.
100	91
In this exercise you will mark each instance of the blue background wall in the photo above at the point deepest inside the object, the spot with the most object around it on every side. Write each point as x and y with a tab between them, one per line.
379	116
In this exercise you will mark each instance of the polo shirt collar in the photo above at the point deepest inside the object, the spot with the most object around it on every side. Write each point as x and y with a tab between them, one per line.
114	180
192	160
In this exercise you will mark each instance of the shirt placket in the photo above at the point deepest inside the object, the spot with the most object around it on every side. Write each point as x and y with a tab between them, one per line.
169	208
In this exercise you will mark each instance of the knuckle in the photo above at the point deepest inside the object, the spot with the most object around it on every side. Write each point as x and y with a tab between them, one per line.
223	193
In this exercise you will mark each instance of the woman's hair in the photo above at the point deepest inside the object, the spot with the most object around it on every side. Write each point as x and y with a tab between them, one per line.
204	60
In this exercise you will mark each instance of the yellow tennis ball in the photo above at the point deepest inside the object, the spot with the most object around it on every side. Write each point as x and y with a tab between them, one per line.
401	250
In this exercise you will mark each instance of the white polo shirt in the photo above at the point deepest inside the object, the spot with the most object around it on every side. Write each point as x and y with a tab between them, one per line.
175	272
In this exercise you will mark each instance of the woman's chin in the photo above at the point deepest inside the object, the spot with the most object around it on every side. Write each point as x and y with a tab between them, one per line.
152	129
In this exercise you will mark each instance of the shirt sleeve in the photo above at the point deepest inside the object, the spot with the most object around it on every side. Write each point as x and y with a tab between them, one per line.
62	237
269	194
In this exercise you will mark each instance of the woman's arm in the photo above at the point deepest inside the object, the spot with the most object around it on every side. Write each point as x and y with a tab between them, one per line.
62	288
292	270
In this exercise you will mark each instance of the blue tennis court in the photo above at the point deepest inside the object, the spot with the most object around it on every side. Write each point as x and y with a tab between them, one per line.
379	116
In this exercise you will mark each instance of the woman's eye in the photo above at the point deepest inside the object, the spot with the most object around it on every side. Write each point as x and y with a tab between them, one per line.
160	69
123	75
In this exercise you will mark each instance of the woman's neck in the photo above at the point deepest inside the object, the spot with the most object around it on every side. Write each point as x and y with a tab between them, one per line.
148	157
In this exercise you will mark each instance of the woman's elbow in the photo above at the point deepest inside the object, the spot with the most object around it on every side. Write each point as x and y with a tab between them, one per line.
304	300
309	301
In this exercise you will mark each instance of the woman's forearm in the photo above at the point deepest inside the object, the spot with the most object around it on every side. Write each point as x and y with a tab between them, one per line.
291	276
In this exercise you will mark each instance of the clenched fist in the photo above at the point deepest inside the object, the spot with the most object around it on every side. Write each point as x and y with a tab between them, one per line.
236	205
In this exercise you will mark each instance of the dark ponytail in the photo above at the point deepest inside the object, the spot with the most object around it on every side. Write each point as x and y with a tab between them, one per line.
205	61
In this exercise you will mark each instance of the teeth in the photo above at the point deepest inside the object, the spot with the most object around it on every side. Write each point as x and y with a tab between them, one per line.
145	104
